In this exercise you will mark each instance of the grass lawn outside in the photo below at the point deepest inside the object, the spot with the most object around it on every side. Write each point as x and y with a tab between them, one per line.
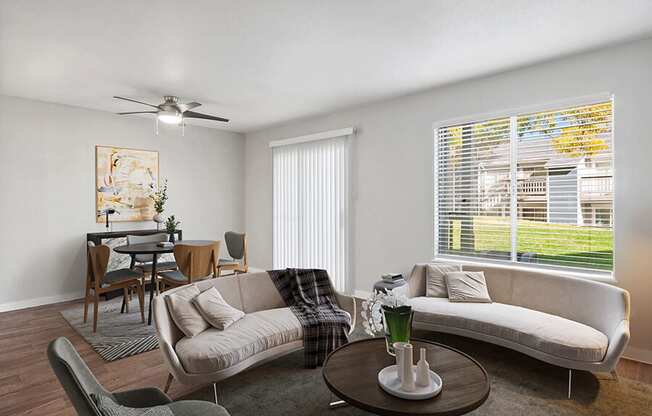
558	244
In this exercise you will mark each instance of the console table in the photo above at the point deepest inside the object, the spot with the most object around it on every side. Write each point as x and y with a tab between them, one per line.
97	238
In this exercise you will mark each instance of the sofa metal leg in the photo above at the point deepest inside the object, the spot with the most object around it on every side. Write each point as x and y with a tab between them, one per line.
168	383
570	378
218	394
614	374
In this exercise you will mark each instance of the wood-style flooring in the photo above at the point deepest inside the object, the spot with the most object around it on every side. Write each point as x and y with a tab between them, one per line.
28	385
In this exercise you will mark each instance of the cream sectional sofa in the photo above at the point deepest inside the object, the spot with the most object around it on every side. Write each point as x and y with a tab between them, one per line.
267	331
566	321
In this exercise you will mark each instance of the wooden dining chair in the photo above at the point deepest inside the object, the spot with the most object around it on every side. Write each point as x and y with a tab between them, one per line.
195	262
99	281
236	245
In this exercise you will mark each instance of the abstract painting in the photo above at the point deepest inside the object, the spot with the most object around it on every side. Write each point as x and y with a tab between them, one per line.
124	180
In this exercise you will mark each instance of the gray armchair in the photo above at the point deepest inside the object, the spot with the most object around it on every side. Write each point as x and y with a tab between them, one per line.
79	383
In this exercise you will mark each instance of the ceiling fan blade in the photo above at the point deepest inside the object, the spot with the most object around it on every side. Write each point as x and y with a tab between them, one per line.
138	112
188	106
192	114
134	101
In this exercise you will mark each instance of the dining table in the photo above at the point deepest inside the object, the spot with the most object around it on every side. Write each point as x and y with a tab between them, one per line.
155	250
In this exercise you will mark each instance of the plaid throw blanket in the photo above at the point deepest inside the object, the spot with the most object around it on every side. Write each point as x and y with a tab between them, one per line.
310	296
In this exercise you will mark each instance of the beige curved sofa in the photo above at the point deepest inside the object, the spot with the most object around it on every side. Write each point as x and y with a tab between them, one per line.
566	321
267	331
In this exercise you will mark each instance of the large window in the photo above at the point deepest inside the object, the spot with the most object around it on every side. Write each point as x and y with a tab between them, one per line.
530	187
311	206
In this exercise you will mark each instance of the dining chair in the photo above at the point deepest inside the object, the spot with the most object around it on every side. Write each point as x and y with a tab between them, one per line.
143	262
236	245
99	281
194	261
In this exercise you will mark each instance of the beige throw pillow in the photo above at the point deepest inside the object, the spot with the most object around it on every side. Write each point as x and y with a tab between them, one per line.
184	313
436	281
215	310
467	287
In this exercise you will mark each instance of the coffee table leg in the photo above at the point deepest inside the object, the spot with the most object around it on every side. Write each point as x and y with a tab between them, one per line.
152	288
335	404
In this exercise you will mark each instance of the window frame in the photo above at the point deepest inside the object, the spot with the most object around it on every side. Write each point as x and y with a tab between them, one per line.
606	276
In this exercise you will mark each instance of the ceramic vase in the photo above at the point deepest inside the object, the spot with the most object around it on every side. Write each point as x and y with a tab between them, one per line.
407	370
399	347
423	370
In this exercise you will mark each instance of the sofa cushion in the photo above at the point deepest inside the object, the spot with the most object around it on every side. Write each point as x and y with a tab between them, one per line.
547	333
436	278
215	310
108	407
197	408
183	311
467	287
214	350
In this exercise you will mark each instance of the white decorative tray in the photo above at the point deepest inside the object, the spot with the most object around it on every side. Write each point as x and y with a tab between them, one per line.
388	380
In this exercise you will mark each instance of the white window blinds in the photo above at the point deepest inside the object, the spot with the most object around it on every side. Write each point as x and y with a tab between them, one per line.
311	207
529	188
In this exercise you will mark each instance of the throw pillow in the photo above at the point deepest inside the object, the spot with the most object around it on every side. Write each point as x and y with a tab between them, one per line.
215	310
435	280
108	407
184	313
467	287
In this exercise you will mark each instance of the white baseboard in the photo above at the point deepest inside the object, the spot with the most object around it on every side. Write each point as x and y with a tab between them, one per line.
30	303
638	354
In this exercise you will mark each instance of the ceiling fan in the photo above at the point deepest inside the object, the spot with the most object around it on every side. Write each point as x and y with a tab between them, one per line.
171	111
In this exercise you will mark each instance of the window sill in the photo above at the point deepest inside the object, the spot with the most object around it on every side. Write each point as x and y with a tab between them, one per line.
605	277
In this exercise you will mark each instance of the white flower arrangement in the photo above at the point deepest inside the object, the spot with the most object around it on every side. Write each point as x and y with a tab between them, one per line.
372	314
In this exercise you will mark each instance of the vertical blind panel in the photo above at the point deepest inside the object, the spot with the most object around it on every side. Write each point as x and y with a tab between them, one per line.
565	187
311	207
473	198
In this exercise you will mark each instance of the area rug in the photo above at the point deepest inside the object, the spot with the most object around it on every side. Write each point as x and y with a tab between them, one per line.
520	385
118	335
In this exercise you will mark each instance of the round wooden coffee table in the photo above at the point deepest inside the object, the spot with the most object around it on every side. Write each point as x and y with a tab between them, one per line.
351	372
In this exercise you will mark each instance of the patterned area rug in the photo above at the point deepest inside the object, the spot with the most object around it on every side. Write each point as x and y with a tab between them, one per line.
118	335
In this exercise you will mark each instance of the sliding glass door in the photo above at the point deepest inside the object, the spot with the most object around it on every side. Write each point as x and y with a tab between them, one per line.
311	207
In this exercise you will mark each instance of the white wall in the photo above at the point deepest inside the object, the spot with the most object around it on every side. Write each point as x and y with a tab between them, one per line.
47	200
392	173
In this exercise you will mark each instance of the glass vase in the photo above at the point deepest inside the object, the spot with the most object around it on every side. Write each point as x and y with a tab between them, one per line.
397	323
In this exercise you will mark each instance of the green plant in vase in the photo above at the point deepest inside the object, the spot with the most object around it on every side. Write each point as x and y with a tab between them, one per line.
388	313
171	225
160	197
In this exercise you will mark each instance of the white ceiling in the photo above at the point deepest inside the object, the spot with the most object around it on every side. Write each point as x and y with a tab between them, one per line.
264	62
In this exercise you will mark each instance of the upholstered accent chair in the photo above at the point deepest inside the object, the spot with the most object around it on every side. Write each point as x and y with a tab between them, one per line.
80	383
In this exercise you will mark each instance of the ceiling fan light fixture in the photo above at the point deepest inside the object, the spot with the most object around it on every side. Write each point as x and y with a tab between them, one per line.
170	117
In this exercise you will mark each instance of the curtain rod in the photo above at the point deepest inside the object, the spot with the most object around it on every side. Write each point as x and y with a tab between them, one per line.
347	131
